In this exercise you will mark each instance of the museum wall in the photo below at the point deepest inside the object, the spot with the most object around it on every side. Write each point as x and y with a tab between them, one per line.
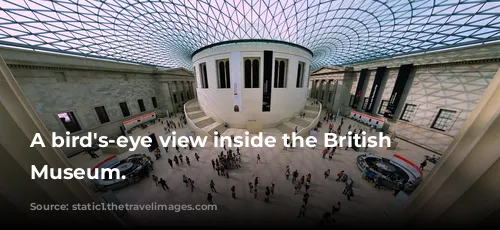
82	92
53	85
455	86
218	103
477	52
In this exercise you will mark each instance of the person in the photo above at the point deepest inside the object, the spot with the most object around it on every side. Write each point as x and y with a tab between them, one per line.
295	174
233	192
365	173
157	154
155	179
306	198
339	175
192	184
268	192
302	211
212	186
209	198
336	207
170	163
423	164
376	181
185	180
197	156
327	173
287	172
163	184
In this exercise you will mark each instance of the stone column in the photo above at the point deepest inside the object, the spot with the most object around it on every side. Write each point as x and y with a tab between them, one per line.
313	89
19	124
167	95
334	95
344	93
363	92
321	91
174	104
326	94
464	187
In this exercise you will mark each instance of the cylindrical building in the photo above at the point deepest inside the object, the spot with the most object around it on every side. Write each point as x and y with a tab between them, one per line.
252	80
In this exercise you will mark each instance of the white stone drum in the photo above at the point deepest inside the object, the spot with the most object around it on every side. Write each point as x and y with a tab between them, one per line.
258	80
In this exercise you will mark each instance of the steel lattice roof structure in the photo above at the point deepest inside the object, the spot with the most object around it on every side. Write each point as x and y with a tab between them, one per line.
166	33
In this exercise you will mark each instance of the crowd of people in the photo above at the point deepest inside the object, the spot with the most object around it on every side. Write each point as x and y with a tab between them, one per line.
230	159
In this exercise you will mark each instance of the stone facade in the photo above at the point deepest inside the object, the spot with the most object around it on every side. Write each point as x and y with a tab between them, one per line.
80	88
442	81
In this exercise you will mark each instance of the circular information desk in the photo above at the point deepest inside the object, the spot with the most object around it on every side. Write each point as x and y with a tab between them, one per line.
133	168
389	172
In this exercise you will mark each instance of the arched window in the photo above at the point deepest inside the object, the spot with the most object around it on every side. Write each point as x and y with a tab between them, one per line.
255	73
203	75
300	75
223	76
251	72
280	73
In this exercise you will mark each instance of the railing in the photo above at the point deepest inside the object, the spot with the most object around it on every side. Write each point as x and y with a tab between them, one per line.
304	132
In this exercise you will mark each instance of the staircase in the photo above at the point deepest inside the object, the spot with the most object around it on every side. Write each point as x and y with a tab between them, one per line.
300	122
202	121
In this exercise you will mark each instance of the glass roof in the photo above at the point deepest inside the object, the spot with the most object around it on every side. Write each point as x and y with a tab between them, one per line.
166	33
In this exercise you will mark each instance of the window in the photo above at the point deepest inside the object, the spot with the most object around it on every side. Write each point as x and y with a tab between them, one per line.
300	75
101	114
69	121
280	73
383	106
351	100
365	103
252	66
194	73
408	112
330	96
175	98
124	108
310	68
444	119
155	105
182	97
141	105
223	76
203	76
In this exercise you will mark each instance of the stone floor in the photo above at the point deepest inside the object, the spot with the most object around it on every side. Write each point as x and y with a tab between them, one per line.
368	204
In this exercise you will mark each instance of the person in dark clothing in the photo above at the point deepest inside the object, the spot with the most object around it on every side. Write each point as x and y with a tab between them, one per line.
212	186
233	192
209	198
302	211
423	164
306	198
163	184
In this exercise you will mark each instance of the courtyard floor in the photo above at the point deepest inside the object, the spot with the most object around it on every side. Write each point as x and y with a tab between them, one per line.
368	204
